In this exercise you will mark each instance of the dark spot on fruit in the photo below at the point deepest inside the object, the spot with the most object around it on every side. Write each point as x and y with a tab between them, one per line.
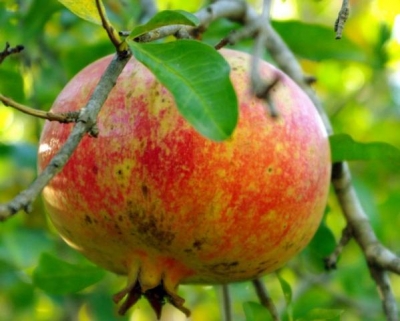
197	244
265	263
134	216
88	219
288	245
163	100
260	271
270	170
154	234
224	267
119	172
145	191
118	229
150	228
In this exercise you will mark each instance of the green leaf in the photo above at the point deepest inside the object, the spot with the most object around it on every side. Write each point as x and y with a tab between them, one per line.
59	277
344	148
198	78
286	289
14	249
256	312
164	18
323	242
22	154
318	314
318	42
11	81
36	18
85	9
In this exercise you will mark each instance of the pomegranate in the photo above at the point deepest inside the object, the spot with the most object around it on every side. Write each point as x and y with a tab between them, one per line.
152	199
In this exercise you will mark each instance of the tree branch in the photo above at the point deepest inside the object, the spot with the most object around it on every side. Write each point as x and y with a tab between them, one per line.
261	89
265	299
331	260
70	117
85	123
342	18
235	10
226	303
9	51
385	290
120	45
379	258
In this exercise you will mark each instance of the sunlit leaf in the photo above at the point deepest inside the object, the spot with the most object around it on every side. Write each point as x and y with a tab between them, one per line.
59	277
85	9
344	148
164	18
322	315
286	289
256	312
317	42
196	75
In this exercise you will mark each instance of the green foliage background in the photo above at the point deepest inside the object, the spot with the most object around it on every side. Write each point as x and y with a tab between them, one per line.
359	83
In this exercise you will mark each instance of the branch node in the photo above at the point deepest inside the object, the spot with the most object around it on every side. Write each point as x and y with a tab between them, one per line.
9	51
331	260
94	131
342	18
310	80
263	91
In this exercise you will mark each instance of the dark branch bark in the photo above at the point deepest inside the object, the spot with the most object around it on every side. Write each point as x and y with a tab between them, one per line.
84	125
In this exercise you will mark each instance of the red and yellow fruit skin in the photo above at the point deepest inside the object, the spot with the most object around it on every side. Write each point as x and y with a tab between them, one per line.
153	199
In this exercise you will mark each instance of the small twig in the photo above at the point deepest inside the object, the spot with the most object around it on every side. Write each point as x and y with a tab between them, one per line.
331	260
341	19
385	290
226	303
85	123
378	257
375	253
259	86
120	45
235	10
9	51
69	117
265	299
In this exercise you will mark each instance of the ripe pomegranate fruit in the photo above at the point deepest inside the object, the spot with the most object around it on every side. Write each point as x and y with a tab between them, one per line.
152	199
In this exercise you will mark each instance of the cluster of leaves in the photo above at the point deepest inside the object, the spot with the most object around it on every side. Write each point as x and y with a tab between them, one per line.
53	39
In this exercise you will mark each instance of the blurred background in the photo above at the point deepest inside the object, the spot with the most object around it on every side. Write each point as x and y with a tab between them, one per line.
358	80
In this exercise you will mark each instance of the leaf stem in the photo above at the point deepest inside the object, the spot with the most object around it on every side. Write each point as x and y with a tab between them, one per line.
120	45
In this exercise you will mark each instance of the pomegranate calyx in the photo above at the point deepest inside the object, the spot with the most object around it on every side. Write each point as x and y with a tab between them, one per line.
157	297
